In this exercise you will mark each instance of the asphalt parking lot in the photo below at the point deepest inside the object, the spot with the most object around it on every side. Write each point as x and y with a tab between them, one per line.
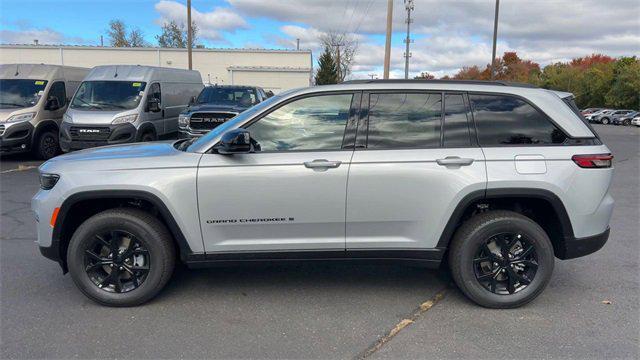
591	308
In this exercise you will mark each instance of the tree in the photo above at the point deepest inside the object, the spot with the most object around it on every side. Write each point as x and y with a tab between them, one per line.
327	70
174	35
625	89
425	76
348	47
117	34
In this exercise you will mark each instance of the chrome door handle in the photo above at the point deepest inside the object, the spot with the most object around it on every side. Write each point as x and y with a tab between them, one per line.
454	161
322	164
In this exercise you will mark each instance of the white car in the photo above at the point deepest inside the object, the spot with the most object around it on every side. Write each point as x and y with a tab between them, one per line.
635	121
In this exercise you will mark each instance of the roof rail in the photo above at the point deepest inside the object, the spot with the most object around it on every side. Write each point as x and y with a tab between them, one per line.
441	81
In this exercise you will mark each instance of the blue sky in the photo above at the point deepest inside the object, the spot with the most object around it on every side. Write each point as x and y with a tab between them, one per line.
448	34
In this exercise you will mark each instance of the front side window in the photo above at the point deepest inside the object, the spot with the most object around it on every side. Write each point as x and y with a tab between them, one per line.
313	123
154	92
508	120
404	121
108	95
20	93
58	91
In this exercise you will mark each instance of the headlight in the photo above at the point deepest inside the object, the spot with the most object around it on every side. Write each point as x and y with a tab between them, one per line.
127	119
183	120
66	118
48	181
21	117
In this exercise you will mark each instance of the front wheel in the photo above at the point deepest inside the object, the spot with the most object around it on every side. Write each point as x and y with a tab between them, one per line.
501	259
121	257
605	121
47	145
626	122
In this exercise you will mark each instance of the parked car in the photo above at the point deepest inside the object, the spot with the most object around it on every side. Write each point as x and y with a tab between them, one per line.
606	117
624	119
215	105
591	117
118	104
364	170
635	121
33	98
589	111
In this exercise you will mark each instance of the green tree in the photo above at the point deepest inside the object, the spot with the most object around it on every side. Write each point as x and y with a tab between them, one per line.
327	70
174	35
625	88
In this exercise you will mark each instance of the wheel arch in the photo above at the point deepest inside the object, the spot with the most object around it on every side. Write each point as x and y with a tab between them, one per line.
42	126
146	127
80	206
542	206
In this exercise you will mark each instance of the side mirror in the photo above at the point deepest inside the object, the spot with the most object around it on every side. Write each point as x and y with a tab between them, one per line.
153	105
52	104
192	100
237	141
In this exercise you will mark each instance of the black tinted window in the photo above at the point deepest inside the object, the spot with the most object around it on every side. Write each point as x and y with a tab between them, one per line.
404	120
57	90
154	91
313	123
456	126
507	120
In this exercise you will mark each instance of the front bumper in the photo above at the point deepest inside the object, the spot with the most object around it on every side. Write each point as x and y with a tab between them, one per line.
577	247
188	133
72	139
16	137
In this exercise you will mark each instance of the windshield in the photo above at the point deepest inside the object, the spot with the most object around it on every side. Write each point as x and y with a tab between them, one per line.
108	95
228	96
195	143
20	93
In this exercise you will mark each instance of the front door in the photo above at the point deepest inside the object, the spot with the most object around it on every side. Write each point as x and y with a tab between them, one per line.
410	169
290	193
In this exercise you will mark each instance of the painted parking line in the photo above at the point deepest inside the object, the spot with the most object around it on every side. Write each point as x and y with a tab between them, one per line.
19	168
423	308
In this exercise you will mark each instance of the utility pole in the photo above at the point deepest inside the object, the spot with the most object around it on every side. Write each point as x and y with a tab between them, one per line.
189	34
387	44
495	39
408	5
101	41
297	44
373	76
337	59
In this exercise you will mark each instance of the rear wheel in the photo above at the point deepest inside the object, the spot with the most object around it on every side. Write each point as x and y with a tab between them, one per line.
148	136
626	122
47	145
605	121
121	257
501	259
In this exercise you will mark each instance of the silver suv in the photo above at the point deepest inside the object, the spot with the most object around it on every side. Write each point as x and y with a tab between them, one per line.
494	180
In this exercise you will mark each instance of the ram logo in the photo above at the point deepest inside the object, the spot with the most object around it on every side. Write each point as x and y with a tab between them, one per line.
89	131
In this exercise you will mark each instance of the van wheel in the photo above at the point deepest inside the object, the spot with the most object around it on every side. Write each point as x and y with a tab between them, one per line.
501	259
148	136
47	145
121	257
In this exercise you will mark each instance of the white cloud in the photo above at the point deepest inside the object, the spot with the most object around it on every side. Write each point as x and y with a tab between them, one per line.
45	36
210	24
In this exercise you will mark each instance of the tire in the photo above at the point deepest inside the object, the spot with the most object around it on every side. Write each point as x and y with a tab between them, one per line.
151	246
605	121
148	136
626	122
47	145
468	242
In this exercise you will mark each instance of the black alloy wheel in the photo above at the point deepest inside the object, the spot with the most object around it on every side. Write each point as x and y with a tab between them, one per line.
505	263
116	261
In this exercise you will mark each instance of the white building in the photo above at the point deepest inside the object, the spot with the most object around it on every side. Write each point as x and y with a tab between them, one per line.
274	70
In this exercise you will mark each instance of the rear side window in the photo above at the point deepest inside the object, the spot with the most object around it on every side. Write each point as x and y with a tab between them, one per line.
456	122
508	120
404	121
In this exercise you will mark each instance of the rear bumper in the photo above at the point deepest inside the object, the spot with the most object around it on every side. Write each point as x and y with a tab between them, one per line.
16	138
577	247
118	134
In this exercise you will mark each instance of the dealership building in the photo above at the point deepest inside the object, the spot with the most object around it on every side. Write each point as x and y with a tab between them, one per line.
274	70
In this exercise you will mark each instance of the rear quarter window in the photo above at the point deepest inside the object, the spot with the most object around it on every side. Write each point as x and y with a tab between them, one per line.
503	120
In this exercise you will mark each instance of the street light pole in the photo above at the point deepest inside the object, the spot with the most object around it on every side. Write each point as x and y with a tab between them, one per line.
387	45
495	39
189	34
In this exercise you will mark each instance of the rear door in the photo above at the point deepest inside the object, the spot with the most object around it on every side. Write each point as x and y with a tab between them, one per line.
415	159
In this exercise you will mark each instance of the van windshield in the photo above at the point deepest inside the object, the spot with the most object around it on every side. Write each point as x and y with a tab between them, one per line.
234	96
108	95
20	93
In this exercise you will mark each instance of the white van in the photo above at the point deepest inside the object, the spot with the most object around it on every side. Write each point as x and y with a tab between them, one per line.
127	103
33	98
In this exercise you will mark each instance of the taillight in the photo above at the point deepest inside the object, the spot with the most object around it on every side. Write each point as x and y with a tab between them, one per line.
593	161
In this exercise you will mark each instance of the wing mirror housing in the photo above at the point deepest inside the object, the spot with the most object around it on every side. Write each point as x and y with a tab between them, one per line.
192	100
153	105
237	141
52	104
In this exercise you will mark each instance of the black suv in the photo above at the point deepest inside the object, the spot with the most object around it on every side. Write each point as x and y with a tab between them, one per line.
215	105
